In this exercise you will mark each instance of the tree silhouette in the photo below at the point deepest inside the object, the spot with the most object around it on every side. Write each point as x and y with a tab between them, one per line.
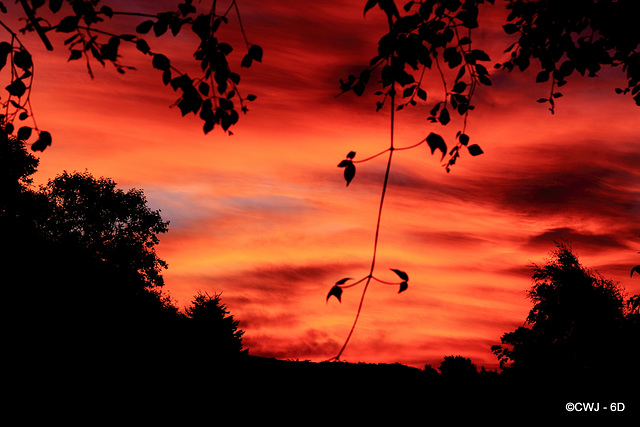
113	225
16	167
212	330
577	325
457	367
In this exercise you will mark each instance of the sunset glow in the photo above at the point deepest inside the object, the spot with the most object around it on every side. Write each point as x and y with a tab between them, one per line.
265	218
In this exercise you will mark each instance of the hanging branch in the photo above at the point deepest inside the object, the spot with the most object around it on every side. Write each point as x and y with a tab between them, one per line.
402	48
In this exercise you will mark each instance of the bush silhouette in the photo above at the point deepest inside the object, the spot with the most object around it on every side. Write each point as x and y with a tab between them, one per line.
458	367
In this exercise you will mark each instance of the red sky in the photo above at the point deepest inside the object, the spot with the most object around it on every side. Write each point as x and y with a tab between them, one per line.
264	216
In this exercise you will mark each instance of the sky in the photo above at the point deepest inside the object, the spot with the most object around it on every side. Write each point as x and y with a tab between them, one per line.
264	216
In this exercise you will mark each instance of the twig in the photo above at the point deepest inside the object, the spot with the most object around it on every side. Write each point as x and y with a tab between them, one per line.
375	243
36	25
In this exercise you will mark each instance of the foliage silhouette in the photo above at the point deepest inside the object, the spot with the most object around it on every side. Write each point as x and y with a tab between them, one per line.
84	281
578	324
457	367
115	225
563	38
559	38
214	96
213	329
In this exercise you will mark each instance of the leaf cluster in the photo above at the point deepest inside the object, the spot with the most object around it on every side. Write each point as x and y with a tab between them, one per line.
436	36
17	108
214	95
574	36
429	35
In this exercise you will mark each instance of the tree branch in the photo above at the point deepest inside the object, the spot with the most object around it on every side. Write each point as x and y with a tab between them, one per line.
32	19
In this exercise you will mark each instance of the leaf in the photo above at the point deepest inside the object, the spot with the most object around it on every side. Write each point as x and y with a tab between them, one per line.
400	274
444	117
24	133
246	61
635	269
436	142
68	24
452	57
251	97
186	8
464	139
183	82
484	79
351	155
142	46
161	25
161	62
43	142
144	27
369	5
343	281
107	11
255	52
480	55
408	91
55	5
208	127
75	54
349	172
22	59
336	291
166	77
5	50
17	88
175	26
542	76
403	287
475	150
203	88
459	87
